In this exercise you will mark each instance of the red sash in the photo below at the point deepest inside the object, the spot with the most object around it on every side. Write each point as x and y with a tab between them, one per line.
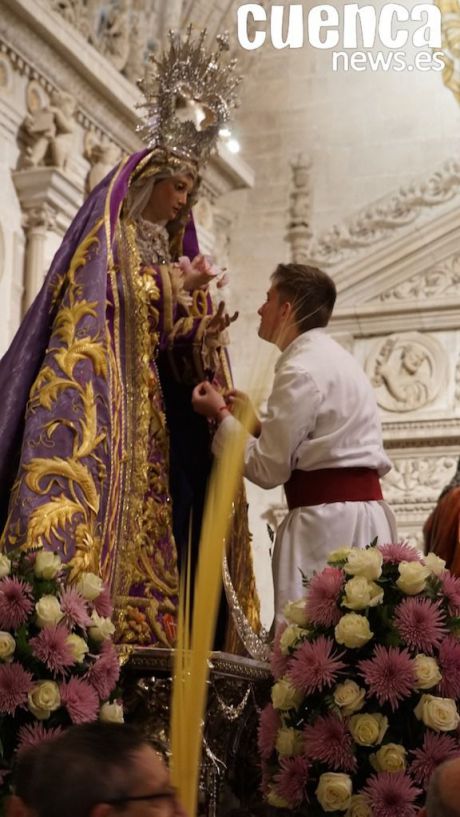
332	485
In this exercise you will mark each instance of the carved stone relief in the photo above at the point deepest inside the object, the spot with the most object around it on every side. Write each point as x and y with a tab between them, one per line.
439	282
6	74
102	156
49	131
418	479
298	229
451	45
407	370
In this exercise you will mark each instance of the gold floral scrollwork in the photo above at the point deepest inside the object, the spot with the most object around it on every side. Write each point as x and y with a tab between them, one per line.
450	11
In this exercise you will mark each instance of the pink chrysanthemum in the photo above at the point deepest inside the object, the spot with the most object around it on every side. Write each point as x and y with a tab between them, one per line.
329	741
450	586
103	604
80	699
15	683
399	552
449	663
269	723
434	750
389	675
278	662
323	597
391	794
105	672
73	605
315	665
16	603
421	624
291	780
34	733
51	648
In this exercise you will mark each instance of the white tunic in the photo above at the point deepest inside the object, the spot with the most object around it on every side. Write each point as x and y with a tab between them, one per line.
322	413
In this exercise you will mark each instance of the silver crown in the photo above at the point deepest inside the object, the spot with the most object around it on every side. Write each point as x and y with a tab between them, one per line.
189	94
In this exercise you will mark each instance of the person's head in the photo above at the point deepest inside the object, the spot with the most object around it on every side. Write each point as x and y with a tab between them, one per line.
169	197
93	770
443	797
300	298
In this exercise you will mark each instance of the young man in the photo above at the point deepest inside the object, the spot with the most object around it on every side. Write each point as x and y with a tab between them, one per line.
320	437
93	770
443	797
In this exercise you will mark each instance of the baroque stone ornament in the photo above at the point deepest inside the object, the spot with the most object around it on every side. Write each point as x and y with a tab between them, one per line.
375	222
450	11
415	480
50	133
299	233
407	370
438	282
102	155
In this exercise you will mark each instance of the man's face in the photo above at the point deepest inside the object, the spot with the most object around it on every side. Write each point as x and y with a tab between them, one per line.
151	778
271	317
169	196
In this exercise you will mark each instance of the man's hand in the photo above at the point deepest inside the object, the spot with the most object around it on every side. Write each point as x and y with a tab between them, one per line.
241	407
206	400
220	321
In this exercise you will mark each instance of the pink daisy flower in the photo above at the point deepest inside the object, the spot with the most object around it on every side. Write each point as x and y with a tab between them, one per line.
421	624
323	597
389	675
15	683
73	605
291	780
278	662
269	723
16	603
105	672
51	648
80	699
315	665
399	552
450	586
103	604
34	733
329	741
449	663
391	794
434	750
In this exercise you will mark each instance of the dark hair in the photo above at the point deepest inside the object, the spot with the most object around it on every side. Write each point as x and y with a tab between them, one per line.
86	765
311	292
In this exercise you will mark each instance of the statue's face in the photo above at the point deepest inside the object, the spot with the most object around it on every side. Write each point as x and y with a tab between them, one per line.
169	196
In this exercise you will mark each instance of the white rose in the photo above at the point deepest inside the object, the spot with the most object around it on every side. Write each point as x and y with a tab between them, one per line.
47	564
90	586
367	563
361	593
412	577
112	713
273	799
43	699
353	631
338	555
349	697
334	791
427	672
291	636
289	741
285	695
48	611
359	807
368	729
78	647
5	566
390	758
7	646
295	613
101	628
435	563
439	714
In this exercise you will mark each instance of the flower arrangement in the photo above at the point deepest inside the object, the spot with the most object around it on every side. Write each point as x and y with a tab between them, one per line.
367	684
58	664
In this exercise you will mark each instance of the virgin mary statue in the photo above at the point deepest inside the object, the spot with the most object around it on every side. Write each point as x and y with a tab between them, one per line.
101	457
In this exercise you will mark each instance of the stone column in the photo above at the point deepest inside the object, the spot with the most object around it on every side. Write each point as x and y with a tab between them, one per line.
38	221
